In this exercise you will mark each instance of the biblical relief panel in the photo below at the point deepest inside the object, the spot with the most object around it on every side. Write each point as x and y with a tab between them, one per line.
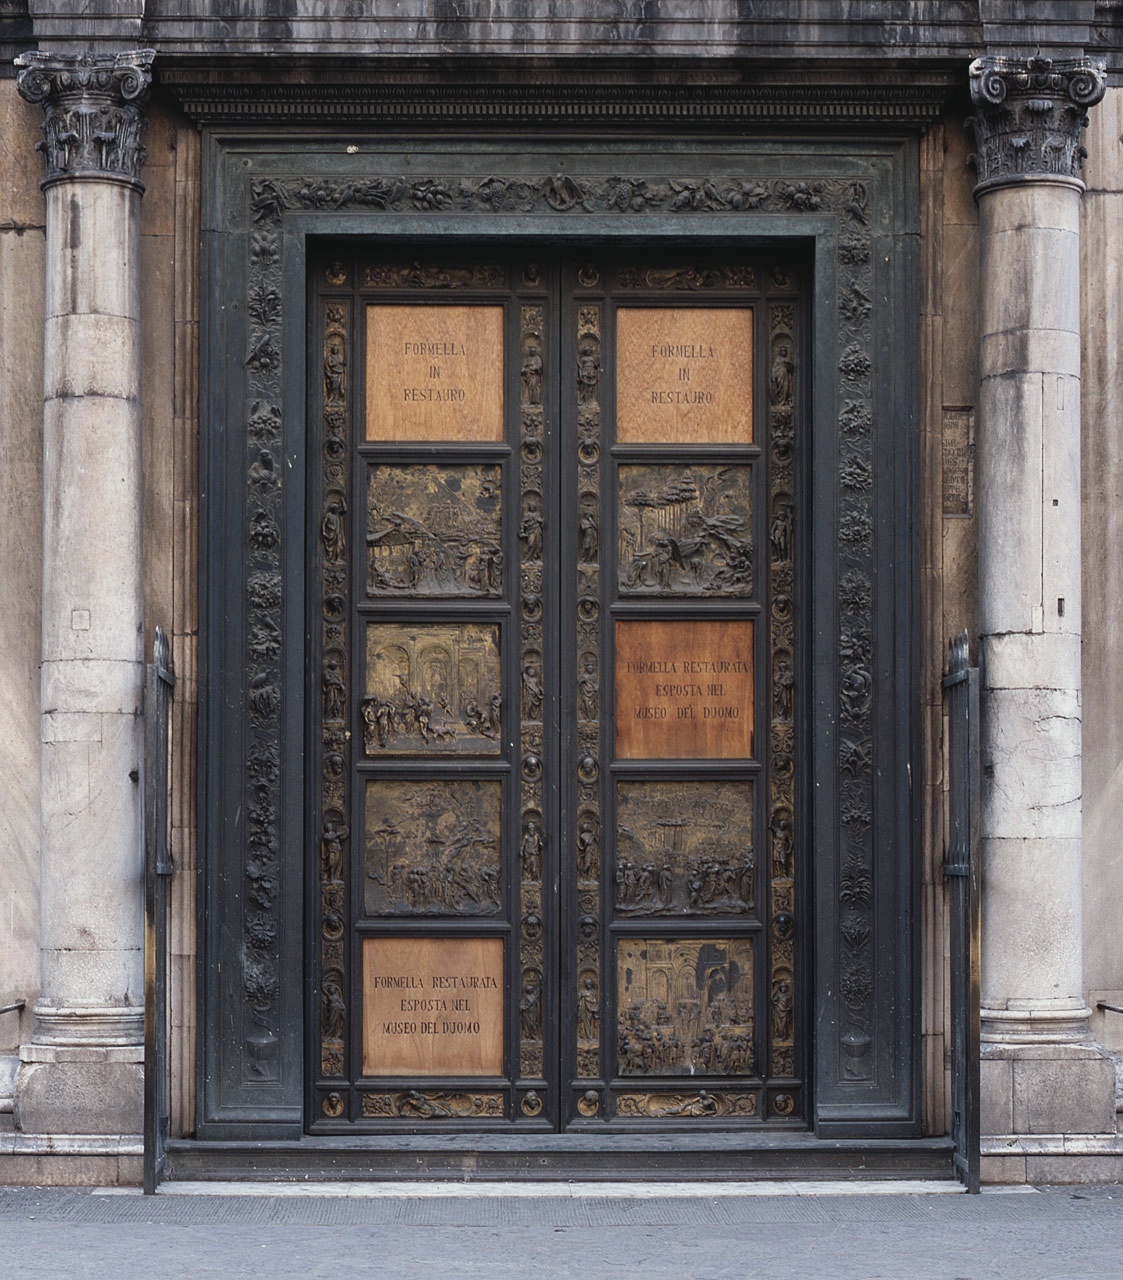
685	530
685	1006
432	688
432	847
434	530
684	848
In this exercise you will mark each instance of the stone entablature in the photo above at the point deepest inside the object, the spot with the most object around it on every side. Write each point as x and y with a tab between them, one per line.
94	108
1030	114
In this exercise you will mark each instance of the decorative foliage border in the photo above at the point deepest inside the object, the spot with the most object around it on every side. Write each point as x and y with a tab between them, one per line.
533	850
848	201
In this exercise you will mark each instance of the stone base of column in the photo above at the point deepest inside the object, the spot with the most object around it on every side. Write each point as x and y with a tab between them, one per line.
80	1089
1047	1088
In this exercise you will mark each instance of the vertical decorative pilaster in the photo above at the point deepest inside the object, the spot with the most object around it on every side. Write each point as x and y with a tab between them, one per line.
1029	119
82	1071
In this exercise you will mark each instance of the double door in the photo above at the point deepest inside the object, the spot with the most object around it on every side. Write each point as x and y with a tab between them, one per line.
554	836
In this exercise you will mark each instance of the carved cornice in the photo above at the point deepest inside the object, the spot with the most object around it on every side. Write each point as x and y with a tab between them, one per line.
221	99
94	112
1029	115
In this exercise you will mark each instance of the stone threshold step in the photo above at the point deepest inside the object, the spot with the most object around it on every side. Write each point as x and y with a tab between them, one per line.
655	1157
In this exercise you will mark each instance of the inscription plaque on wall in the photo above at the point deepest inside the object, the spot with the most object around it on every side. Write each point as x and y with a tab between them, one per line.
434	373
684	375
684	689
432	1006
959	462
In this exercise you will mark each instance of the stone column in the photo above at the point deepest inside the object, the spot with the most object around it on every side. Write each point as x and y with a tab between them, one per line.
1039	1075
82	1070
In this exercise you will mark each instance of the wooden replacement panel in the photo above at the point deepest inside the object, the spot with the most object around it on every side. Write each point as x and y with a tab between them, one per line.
684	375
684	689
434	373
432	1007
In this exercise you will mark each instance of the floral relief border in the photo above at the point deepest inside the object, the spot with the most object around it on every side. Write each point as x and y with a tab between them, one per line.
849	202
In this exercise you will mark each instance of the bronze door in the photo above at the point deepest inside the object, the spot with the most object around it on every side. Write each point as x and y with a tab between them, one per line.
553	616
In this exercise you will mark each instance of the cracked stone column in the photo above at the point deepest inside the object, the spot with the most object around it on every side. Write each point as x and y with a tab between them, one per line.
1039	1075
82	1070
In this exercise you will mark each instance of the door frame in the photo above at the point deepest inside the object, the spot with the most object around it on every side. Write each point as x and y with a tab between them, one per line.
852	202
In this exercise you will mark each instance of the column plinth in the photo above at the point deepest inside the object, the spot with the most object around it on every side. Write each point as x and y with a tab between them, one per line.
81	1072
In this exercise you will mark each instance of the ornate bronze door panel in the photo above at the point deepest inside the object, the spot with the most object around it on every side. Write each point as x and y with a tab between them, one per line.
553	605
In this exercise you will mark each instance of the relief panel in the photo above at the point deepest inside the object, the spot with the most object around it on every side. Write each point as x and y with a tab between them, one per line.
684	689
434	530
432	847
685	530
684	848
432	688
685	1006
434	373
684	375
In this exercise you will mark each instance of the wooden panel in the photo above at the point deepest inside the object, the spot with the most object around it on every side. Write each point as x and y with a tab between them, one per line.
684	689
432	1007
434	373
684	375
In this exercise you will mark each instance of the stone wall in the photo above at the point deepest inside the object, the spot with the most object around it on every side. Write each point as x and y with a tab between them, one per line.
948	570
1101	240
169	280
21	418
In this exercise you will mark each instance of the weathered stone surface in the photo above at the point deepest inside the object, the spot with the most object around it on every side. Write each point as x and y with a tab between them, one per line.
1031	763
1031	938
1063	1095
1102	453
94	266
21	389
81	1097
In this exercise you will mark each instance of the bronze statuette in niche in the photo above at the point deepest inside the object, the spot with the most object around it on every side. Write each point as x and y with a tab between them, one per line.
432	847
684	848
434	530
432	688
685	1007
685	531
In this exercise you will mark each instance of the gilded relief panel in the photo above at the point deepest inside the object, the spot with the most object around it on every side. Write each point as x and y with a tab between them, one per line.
434	530
685	1006
432	847
684	848
685	530
432	688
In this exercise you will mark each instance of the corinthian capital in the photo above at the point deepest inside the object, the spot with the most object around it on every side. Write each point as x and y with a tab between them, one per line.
94	109
1029	115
